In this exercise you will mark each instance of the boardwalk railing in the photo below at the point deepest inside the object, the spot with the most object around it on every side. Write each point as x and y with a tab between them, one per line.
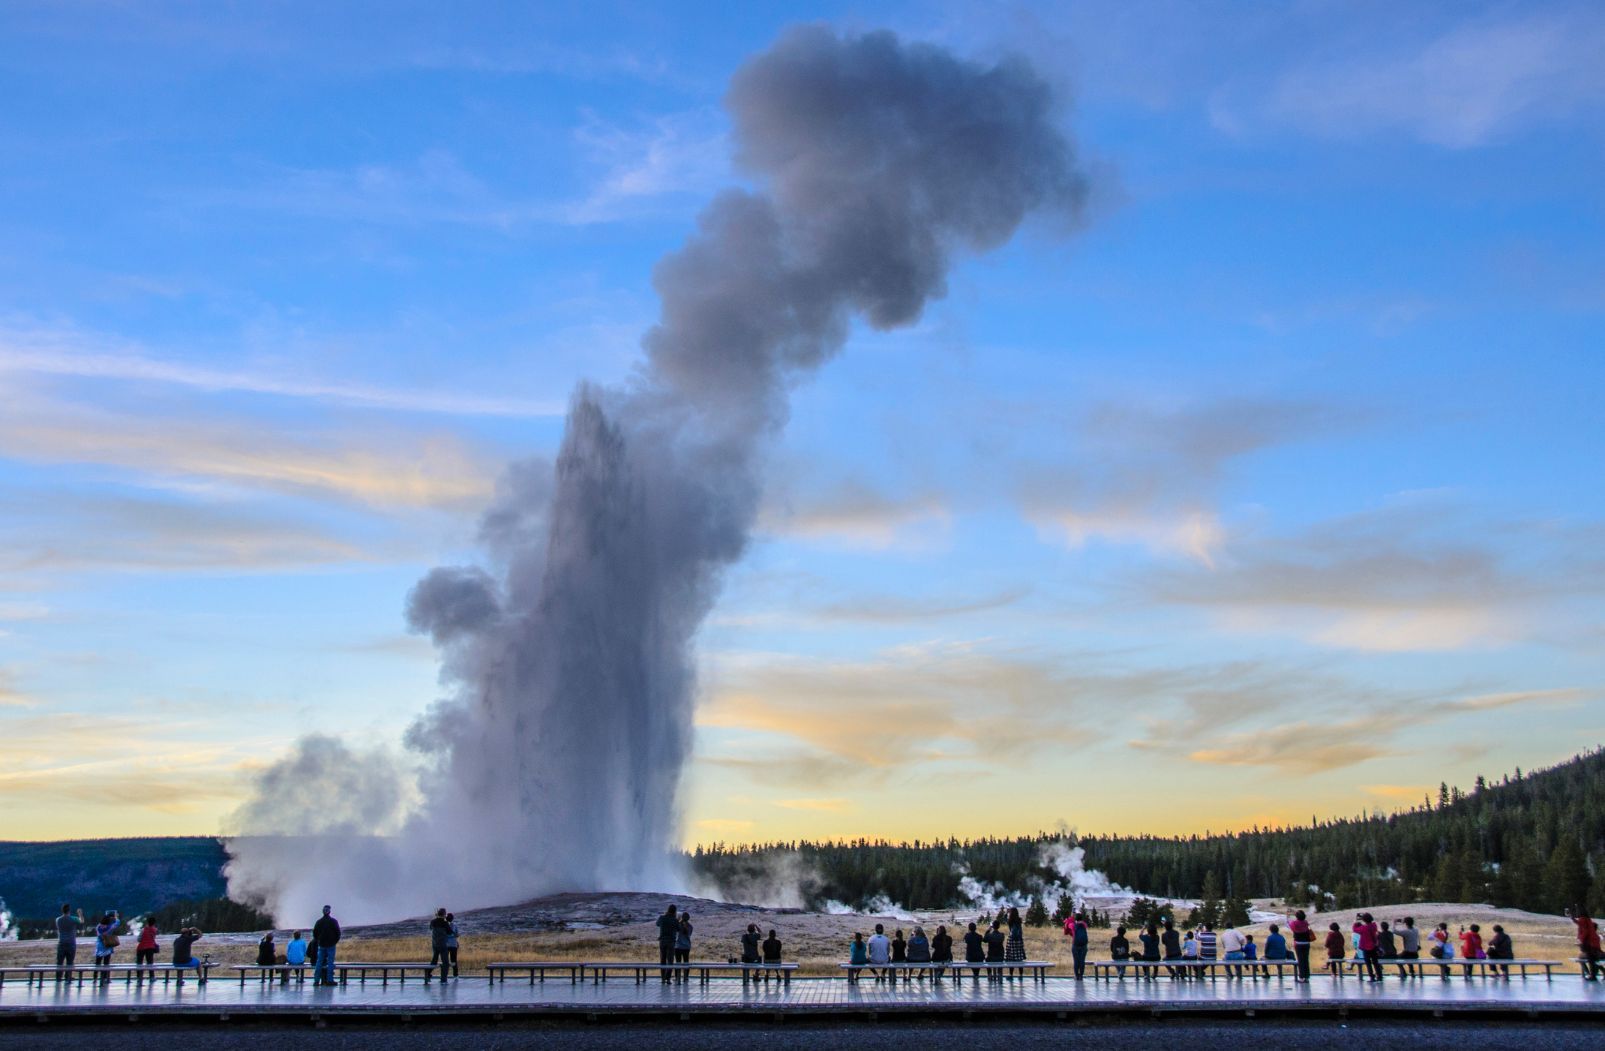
1431	968
1191	968
536	969
43	973
749	972
1037	969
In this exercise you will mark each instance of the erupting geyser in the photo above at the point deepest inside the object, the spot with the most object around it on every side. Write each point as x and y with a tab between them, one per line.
555	762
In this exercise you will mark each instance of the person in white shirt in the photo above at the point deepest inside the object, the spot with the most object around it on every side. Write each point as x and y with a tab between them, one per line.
880	949
1231	946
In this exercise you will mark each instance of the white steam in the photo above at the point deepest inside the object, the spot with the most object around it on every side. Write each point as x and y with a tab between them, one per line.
554	761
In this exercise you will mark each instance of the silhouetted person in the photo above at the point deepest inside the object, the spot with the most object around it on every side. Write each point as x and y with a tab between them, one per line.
452	941
184	948
439	934
771	949
67	925
668	932
326	933
1303	939
267	954
974	946
941	949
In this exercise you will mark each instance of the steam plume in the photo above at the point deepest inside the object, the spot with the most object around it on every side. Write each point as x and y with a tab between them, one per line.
555	762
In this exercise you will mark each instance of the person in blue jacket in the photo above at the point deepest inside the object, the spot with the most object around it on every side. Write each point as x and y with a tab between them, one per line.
1275	944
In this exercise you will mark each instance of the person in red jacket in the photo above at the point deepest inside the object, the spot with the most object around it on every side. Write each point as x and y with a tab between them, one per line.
1471	945
1334	948
1588	943
1365	930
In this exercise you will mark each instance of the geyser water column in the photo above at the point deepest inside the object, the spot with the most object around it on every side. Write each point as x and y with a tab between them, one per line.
556	760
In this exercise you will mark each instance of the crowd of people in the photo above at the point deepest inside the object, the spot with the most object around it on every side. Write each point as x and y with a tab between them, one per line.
1368	943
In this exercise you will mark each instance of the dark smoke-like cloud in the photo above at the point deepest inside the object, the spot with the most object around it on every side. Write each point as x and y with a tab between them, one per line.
555	762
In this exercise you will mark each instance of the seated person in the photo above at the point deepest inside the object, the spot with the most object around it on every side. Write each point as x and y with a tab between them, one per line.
295	953
919	947
1275	944
1250	950
182	956
1119	947
265	952
974	946
858	952
771	949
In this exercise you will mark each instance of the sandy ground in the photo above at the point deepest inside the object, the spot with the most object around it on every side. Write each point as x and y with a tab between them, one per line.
621	927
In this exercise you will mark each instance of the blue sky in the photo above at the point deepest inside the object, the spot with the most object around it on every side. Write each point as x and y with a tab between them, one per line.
1273	491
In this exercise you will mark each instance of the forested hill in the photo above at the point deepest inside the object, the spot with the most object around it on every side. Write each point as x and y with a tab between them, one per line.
1529	841
96	874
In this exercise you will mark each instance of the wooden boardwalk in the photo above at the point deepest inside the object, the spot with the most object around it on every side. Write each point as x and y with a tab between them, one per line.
222	999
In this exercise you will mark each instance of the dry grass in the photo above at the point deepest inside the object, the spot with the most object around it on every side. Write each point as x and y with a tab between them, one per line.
817	943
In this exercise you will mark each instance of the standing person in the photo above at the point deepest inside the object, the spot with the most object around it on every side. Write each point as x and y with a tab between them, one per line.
1471	946
106	942
1409	946
880	951
1368	943
326	933
1172	943
439	932
1588	945
1500	947
1119	950
1078	945
682	942
899	947
452	942
1014	950
1335	949
941	949
1303	938
67	925
145	947
183	948
668	934
974	946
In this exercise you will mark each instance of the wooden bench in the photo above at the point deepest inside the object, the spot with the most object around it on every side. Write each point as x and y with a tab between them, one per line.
644	971
41	973
497	972
264	971
384	970
1037	969
1427	965
1212	968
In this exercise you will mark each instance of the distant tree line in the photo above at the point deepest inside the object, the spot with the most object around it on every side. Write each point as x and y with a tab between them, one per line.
1532	841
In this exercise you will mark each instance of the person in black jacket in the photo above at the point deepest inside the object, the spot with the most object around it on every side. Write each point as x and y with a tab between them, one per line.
941	949
771	949
439	935
668	932
326	935
1119	949
974	946
1172	944
1500	947
266	955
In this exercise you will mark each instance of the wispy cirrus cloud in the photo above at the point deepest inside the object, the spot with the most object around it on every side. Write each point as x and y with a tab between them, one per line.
67	352
1149	475
1407	576
852	513
397	470
1462	87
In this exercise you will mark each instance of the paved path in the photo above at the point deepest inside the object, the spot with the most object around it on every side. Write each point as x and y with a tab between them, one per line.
806	996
